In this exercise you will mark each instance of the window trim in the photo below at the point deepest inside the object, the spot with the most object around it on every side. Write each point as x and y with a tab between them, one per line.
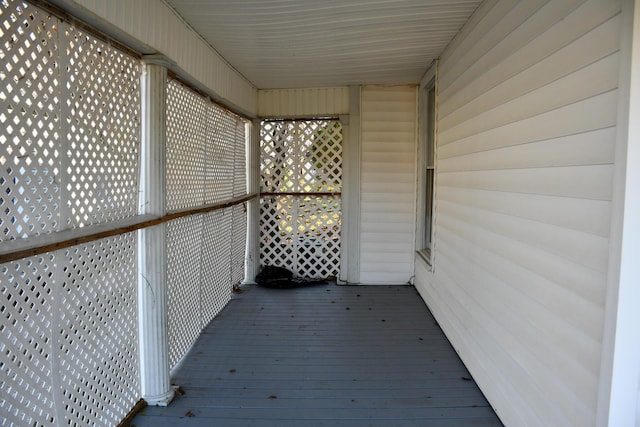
427	125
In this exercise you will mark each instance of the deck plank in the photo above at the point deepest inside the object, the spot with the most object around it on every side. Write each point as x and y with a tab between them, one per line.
324	355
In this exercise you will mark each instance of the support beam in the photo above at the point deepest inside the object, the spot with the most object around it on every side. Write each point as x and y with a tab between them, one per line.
155	381
252	264
350	250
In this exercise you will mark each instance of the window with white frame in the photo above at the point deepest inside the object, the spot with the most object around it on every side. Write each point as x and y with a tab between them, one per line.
427	170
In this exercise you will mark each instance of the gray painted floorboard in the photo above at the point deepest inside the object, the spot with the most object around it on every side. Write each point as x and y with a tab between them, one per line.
323	356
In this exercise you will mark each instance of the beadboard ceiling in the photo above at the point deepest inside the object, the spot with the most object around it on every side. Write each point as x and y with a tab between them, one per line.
313	43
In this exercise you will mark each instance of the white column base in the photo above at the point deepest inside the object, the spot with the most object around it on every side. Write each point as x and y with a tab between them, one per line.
161	400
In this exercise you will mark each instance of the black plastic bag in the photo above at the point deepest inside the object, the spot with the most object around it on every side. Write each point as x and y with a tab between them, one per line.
279	277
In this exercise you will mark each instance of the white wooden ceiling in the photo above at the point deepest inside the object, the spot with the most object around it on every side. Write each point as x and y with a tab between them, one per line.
313	43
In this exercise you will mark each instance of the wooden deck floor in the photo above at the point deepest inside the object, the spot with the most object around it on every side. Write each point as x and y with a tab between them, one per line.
324	356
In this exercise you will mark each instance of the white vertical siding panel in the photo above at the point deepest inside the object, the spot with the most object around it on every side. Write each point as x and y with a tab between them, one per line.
527	114
152	23
330	101
387	181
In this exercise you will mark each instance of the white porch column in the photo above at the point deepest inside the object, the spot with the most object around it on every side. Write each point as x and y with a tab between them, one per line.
350	251
155	382
252	264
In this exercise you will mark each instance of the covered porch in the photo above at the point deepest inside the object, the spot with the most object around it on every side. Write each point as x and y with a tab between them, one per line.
479	155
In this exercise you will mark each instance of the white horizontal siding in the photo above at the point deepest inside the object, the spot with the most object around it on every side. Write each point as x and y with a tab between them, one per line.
387	182
527	114
153	24
311	102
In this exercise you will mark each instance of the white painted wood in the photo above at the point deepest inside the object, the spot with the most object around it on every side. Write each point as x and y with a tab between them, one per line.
528	104
153	348
252	260
620	374
388	183
310	102
150	26
350	240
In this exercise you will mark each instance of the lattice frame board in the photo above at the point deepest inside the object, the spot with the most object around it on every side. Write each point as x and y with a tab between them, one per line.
298	231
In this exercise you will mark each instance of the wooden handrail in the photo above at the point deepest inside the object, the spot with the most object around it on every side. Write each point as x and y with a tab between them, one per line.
302	194
12	250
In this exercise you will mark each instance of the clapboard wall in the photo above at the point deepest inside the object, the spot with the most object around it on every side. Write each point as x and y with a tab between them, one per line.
387	182
306	102
527	111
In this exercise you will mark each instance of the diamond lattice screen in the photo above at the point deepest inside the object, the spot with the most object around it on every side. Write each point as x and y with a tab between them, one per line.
301	156
205	150
26	367
184	249
97	331
102	123
301	232
69	126
239	243
205	253
240	160
185	147
69	332
29	122
69	146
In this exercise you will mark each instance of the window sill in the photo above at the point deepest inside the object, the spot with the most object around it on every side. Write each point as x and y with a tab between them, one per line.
425	255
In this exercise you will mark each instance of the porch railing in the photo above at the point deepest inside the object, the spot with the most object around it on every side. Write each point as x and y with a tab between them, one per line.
71	281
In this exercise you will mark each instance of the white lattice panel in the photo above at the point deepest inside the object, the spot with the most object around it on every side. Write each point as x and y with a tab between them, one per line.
26	386
69	334
240	161
69	123
29	122
102	122
98	331
216	283
185	147
220	152
239	243
301	156
302	234
278	157
184	247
